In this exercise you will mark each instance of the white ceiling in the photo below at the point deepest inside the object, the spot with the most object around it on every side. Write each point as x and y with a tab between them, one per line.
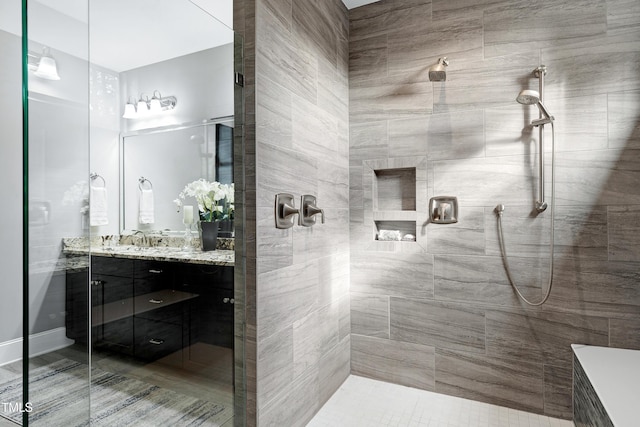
124	34
127	34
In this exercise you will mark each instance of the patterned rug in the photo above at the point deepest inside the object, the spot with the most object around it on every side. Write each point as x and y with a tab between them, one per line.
59	394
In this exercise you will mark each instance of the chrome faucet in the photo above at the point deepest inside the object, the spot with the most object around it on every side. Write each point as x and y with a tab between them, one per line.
145	238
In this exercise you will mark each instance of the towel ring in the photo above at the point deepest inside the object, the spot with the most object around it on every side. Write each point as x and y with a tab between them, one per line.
141	181
95	176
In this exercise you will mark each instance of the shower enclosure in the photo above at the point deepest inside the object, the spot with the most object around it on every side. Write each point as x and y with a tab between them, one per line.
62	103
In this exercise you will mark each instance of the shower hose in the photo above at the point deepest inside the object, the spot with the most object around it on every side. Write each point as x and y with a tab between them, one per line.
499	210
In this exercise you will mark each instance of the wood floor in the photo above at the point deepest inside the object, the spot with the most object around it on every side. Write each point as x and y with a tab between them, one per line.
202	371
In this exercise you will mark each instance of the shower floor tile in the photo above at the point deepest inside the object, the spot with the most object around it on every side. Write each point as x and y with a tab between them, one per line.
366	402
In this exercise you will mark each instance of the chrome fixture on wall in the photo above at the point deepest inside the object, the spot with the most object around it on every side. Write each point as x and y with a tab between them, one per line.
285	209
145	106
531	97
437	72
44	65
309	210
443	210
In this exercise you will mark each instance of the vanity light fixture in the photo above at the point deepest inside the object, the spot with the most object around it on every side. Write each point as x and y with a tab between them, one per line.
43	66
145	107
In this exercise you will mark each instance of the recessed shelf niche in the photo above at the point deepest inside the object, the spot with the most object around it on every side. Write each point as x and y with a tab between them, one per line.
394	193
395	189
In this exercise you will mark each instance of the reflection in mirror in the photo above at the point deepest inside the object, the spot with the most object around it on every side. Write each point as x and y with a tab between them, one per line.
168	159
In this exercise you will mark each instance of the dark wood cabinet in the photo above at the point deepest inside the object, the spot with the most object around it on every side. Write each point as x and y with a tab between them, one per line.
150	309
212	311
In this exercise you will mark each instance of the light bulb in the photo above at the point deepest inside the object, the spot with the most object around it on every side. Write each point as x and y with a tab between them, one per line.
47	68
143	107
155	106
129	111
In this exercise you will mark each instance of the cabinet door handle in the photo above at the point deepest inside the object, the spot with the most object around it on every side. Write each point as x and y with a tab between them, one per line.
155	271
97	282
156	341
156	301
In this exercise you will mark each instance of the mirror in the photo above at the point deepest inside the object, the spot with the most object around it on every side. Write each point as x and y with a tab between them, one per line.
148	161
174	50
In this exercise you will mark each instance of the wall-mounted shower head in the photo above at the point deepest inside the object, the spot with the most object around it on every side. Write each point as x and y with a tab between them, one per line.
531	97
437	72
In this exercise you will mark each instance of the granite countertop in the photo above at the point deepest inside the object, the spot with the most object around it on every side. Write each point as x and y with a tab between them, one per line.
196	256
73	247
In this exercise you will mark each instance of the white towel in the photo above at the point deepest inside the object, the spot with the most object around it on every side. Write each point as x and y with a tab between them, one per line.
146	215
389	235
98	212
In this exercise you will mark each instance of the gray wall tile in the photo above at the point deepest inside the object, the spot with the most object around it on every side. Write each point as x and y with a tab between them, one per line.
482	279
395	361
625	333
334	368
389	273
624	233
558	383
466	237
596	288
438	324
508	382
386	98
456	135
370	315
542	337
624	127
274	363
521	26
591	63
294	287
298	58
622	15
383	17
408	137
482	149
604	177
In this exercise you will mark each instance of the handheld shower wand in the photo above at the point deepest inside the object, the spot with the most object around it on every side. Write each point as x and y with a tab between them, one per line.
531	97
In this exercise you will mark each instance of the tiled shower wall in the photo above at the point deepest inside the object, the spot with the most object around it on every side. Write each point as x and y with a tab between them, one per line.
296	141
439	313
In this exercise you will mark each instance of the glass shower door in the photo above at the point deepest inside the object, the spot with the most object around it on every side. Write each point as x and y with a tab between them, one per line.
57	150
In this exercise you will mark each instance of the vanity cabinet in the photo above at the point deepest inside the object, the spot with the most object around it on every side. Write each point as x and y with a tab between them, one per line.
212	311
149	309
112	305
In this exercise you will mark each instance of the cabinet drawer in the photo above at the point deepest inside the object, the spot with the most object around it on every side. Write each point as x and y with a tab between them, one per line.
205	276
163	312
112	266
150	276
155	339
145	269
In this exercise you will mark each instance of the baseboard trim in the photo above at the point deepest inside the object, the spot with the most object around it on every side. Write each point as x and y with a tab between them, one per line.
40	343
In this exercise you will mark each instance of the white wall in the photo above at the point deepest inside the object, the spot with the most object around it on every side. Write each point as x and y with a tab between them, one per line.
58	160
11	188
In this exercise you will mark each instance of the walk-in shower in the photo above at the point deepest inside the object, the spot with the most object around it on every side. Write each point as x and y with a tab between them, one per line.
532	97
